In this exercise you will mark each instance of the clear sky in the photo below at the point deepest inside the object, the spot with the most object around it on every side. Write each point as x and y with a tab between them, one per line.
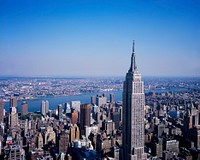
94	37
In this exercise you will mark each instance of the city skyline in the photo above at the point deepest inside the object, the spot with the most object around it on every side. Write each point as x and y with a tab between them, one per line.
92	38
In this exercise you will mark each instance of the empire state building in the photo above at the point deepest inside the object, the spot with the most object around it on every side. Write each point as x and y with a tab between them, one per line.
133	114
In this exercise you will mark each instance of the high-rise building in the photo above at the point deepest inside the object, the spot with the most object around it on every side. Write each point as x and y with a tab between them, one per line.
63	140
85	116
60	111
40	141
93	100
111	98
115	116
67	108
2	130
13	117
1	110
1	145
16	152
101	100
45	107
76	105
187	123
74	133
194	135
50	135
13	103
108	126
195	115
94	111
74	118
133	114
24	108
170	148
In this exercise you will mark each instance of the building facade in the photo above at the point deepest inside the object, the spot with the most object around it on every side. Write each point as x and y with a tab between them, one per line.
63	140
74	133
133	114
24	108
13	118
101	100
76	105
74	119
60	111
85	117
1	110
45	107
111	98
13	102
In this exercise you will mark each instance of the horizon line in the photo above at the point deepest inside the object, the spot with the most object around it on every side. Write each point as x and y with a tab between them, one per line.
86	76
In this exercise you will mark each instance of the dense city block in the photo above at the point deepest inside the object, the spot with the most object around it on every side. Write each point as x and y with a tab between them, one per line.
94	130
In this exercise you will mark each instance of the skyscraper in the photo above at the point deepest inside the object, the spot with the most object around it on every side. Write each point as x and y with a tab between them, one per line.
13	103
101	100
45	107
1	110
13	118
63	140
111	98
93	100
24	108
74	133
50	135
76	105
60	111
74	118
133	114
16	152
67	108
39	141
85	116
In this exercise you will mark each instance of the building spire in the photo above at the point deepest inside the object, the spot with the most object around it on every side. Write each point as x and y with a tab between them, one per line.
133	62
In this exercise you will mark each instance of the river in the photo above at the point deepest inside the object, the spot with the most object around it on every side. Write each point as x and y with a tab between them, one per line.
34	105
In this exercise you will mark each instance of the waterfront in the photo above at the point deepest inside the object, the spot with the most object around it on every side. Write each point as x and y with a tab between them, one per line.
34	105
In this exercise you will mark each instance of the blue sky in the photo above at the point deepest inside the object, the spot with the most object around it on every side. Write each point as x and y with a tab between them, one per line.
94	37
